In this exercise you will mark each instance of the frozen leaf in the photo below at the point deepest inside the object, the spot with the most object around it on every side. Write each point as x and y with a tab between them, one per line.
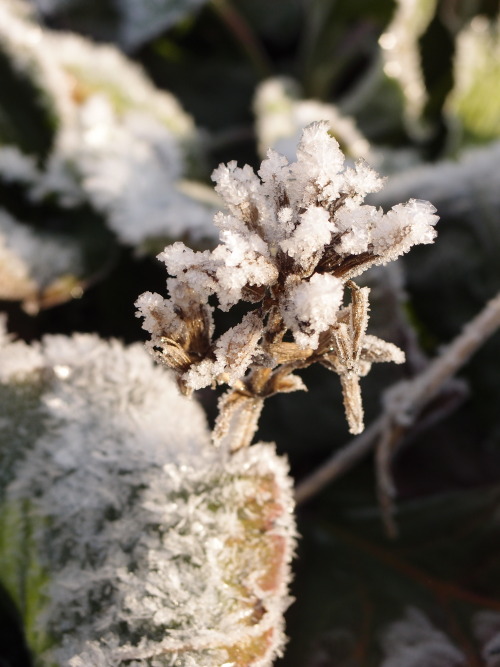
487	631
36	268
120	144
401	54
477	71
147	545
424	600
415	642
295	234
134	22
281	115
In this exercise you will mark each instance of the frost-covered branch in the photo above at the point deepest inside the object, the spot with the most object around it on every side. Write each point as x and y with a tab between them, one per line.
294	237
403	404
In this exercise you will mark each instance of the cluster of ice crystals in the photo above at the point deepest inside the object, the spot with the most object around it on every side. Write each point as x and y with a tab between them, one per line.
156	549
294	236
314	308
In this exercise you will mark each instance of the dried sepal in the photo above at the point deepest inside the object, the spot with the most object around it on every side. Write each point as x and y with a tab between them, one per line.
376	350
352	352
283	352
359	317
285	384
295	236
182	329
237	420
237	346
353	405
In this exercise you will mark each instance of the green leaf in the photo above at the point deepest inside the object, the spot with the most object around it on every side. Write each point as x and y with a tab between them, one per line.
27	117
475	99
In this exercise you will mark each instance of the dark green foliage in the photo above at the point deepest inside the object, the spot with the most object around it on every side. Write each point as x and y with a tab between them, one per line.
351	580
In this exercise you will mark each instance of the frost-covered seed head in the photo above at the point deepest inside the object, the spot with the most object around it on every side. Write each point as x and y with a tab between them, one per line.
294	236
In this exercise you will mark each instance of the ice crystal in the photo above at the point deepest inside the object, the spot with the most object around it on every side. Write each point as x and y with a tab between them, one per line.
294	237
154	549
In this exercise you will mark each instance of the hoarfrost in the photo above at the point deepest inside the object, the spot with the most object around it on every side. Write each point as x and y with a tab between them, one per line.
281	117
30	261
401	54
120	144
157	548
294	237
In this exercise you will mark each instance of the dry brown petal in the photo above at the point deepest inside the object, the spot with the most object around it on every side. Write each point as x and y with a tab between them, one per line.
237	420
284	352
359	316
378	350
351	391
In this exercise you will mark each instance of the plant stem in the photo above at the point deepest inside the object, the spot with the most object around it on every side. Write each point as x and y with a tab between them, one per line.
244	35
406	400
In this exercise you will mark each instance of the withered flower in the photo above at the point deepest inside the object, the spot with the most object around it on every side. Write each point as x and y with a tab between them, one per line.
293	237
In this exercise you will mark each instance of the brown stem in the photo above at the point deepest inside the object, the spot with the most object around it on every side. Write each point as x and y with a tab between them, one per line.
412	396
244	35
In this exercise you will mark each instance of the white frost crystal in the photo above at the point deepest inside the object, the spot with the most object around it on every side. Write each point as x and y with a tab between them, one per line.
293	238
148	546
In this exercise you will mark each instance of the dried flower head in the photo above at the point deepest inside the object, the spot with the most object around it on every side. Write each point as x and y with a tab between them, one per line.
293	237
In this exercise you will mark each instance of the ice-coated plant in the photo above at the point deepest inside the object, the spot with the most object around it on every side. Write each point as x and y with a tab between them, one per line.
401	55
125	537
129	23
34	265
294	237
476	71
281	115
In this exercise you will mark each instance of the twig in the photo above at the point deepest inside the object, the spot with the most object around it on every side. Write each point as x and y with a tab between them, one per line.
405	400
386	488
342	461
243	33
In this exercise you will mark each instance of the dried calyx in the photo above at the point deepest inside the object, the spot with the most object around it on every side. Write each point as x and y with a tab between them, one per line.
293	238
